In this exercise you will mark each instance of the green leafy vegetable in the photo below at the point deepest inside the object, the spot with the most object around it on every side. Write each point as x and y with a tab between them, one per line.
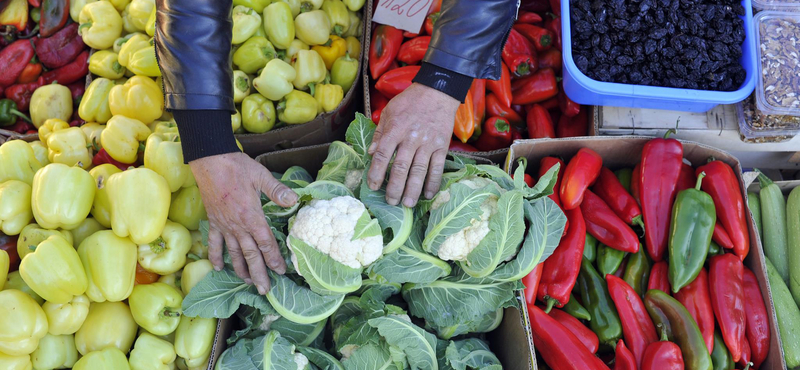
220	293
299	304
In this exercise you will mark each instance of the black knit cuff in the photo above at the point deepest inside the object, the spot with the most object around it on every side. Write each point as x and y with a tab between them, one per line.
451	83
205	133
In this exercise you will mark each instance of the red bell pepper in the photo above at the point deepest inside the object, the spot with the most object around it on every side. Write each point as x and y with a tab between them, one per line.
531	281
102	157
574	126
61	48
637	327
494	108
695	297
662	355
576	327
14	13
395	81
529	17
478	91
77	89
458	146
13	60
686	179
541	38
519	55
411	35
725	276
502	87
560	349
611	191
561	269
71	72
553	24
536	88
549	104
539	124
720	236
623	358
568	107
551	59
606	226
8	243
496	135
412	51
636	177
581	172
757	330
376	102
660	167
659	277
723	186
54	16
544	165
430	20
22	93
383	50
31	72
436	7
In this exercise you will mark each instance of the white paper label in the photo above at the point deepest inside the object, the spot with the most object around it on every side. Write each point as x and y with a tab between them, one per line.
407	15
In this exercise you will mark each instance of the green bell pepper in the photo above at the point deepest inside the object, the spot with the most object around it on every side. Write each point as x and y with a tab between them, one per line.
637	271
241	86
279	24
310	69
254	54
595	297
236	122
257	5
245	23
187	207
693	219
194	339
338	15
152	353
356	28
258	114
608	259
9	113
156	307
344	72
313	28
298	107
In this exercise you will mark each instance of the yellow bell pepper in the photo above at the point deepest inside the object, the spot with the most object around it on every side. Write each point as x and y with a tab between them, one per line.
106	359
257	5
88	227
194	338
199	250
55	352
236	121
9	362
294	5
314	27
139	98
69	147
75	7
143	62
119	4
135	43
152	353
5	261
275	80
101	206
91	132
51	101
54	271
40	152
49	126
66	318
258	114
105	63
254	54
139	200
22	323
156	307
291	52
120	41
18	162
245	22
298	107
61	196
150	27
122	137
14	281
241	86
310	68
335	48
328	97
94	104
165	157
193	272
166	254
173	280
95	335
15	208
354	5
338	15
34	234
279	24
110	264
136	14
100	25
309	5
187	207
344	72
356	27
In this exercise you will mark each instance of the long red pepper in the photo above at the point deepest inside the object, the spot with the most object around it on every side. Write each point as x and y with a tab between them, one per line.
496	135
725	276
531	282
636	183
757	330
70	72
568	107
662	355
607	227
611	191
478	91
553	23
560	349
529	17
745	362
687	179
695	297
720	236
637	327
541	38
660	167
581	172
395	81
584	334
495	108
723	186
535	88
659	277
561	269
519	55
383	50
61	48
539	124
573	126
501	87
13	59
458	146
551	59
623	358
412	51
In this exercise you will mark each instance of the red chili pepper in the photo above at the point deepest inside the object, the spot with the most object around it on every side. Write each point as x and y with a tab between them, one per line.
686	179
536	88
576	327
430	20
529	17
102	157
695	297
636	176
77	89
541	38
13	60
31	72
376	99
623	358
720	236
539	124
61	48
435	7
660	167
551	59
531	281
606	226
581	173
519	55
544	165
412	51
560	349
71	72
659	277
54	15
383	50
568	107
20	126
637	327
610	190
478	91
502	87
76	123
553	24
723	186
549	104
725	276
495	108
22	93
744	362
561	268
515	134
757	330
574	126
662	355
35	3
410	35
8	243
376	115
555	6
458	146
395	81
535	6
496	135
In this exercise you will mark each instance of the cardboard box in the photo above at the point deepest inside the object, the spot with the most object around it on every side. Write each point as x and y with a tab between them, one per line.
625	151
224	330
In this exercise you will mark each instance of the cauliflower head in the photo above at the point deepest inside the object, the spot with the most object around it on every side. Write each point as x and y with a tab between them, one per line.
329	226
301	361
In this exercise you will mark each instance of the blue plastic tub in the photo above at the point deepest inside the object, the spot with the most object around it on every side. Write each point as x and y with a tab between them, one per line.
584	90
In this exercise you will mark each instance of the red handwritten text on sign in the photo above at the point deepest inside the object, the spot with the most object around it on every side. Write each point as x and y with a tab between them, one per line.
403	14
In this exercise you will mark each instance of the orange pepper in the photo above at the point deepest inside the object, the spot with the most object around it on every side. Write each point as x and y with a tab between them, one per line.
145	277
464	126
478	92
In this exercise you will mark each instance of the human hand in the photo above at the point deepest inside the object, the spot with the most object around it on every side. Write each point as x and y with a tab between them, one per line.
231	186
418	124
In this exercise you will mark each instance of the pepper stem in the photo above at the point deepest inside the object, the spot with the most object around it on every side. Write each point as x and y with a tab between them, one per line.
670	132
550	303
638	221
748	366
523	69
699	180
763	179
171	312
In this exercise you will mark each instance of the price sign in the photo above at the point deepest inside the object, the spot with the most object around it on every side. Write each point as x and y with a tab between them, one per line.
406	15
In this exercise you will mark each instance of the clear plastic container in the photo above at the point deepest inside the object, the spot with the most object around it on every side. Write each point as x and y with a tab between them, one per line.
781	5
757	127
778	58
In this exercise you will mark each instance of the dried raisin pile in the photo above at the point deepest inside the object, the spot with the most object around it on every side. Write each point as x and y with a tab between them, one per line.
694	44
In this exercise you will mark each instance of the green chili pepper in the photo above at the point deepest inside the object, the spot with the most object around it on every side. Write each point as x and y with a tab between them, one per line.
720	357
714	249
608	259
594	295
693	219
667	312
624	175
590	248
9	113
637	272
576	310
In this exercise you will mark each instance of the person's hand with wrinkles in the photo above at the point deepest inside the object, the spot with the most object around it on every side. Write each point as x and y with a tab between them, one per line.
417	124
231	186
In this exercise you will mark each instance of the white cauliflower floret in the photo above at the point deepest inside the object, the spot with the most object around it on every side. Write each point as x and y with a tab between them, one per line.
347	350
301	361
353	179
267	321
329	225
